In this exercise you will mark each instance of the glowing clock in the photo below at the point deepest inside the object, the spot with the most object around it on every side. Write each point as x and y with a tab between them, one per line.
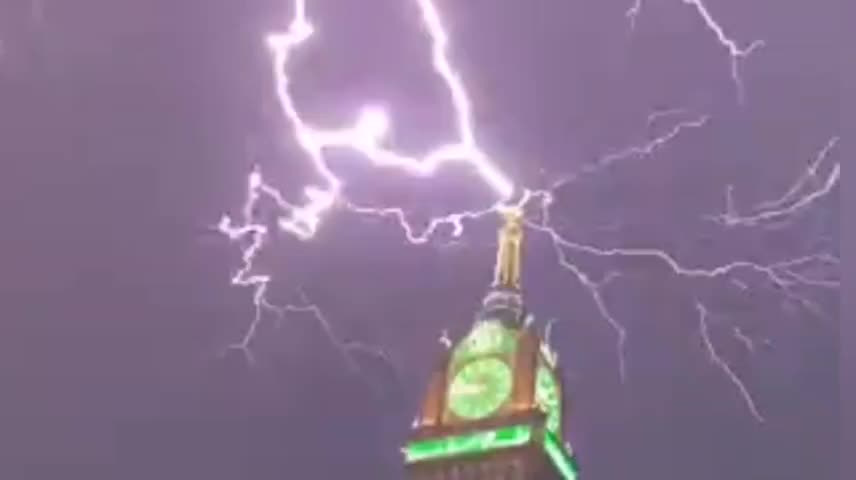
547	396
479	388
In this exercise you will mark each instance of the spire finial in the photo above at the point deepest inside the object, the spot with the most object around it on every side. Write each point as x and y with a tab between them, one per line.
508	255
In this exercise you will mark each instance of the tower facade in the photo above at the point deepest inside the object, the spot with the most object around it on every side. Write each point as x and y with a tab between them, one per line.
495	405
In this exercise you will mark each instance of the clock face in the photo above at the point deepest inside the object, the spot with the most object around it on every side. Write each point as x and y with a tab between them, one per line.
479	388
547	396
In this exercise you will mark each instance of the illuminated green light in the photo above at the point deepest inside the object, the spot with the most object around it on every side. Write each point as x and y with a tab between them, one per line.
480	387
485	441
548	396
564	463
487	337
477	442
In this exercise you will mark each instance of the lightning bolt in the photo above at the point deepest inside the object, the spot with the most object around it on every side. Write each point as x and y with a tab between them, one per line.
736	53
716	359
809	188
746	340
365	137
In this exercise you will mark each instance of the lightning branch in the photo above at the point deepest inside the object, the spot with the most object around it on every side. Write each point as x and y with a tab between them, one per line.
365	136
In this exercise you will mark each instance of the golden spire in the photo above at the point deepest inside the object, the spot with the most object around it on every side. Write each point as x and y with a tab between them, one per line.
507	270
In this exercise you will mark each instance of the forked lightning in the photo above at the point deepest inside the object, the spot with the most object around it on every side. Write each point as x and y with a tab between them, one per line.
365	136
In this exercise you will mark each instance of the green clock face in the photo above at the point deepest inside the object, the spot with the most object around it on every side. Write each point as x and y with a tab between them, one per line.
479	388
547	396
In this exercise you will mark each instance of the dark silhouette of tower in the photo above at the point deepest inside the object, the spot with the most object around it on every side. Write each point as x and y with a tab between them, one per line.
495	405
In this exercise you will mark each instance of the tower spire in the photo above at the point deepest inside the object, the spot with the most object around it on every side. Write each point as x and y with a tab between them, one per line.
508	255
495	402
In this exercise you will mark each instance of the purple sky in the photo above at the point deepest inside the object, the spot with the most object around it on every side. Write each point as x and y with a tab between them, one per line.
127	128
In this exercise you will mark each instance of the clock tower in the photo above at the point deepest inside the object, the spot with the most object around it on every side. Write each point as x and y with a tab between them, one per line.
495	406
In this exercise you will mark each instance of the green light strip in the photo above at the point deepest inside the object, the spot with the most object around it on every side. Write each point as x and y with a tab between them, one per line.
564	463
477	442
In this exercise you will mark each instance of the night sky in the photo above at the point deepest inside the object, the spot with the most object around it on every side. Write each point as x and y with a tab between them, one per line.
127	129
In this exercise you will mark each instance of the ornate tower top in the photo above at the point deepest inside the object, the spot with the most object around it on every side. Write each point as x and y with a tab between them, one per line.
508	256
504	301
